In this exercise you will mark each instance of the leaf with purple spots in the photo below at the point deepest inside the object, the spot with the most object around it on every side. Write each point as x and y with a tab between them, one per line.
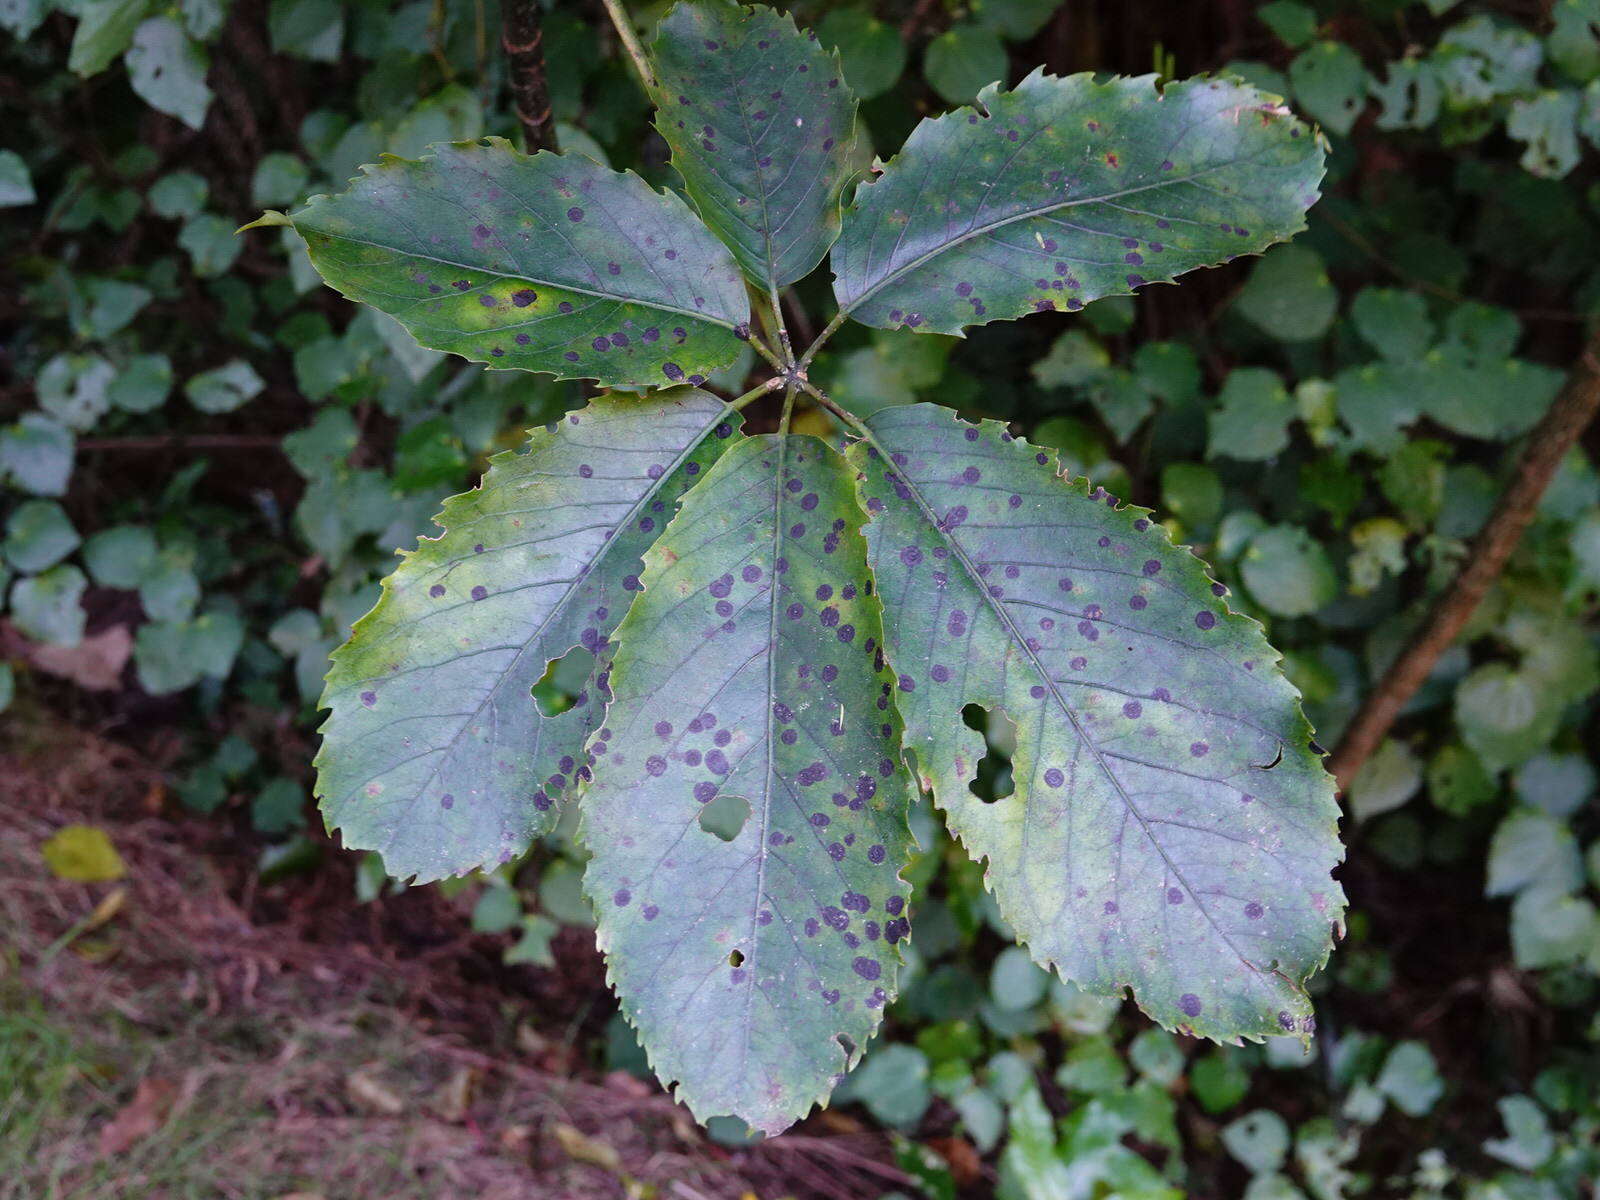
749	680
434	753
1065	190
543	263
762	129
1171	829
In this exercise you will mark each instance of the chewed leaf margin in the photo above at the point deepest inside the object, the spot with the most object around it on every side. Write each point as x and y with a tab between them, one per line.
847	630
1135	273
965	815
522	794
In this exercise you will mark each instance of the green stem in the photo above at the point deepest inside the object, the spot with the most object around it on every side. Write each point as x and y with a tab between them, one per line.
630	42
848	417
777	323
766	352
788	409
761	389
828	331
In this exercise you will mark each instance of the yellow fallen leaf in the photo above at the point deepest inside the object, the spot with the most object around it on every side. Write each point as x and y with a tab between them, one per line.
580	1147
83	854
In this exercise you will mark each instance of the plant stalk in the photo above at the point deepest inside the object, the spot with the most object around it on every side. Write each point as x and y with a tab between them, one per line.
788	409
767	352
761	389
828	330
832	406
783	330
522	38
630	42
1541	458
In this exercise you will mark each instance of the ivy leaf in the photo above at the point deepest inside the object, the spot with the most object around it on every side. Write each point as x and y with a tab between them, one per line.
435	753
761	127
750	684
1066	190
1170	829
546	263
168	71
1330	81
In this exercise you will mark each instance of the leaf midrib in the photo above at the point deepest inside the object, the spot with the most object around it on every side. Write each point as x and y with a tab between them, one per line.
977	231
555	609
658	305
1020	641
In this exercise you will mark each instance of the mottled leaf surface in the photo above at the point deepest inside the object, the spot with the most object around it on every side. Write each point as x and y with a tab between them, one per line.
750	677
1066	190
761	125
1170	831
434	753
546	263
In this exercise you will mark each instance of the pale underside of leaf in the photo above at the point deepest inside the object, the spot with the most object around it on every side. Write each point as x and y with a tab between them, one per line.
1171	831
750	670
434	752
544	263
1065	190
761	126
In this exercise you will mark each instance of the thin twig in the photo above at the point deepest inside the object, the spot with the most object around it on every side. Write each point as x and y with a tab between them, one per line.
630	43
1542	456
522	38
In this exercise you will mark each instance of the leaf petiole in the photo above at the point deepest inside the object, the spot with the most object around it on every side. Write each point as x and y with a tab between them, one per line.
630	43
788	408
832	406
767	352
831	328
782	329
755	393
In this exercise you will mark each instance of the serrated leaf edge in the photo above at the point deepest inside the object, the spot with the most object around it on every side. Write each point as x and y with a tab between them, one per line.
442	520
669	199
1079	486
654	562
1270	103
836	61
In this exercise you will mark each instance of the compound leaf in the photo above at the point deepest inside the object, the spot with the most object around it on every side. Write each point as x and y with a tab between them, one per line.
761	127
749	823
435	753
546	263
1066	190
1171	830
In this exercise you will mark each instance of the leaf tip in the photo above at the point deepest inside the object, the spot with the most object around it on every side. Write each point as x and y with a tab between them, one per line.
271	217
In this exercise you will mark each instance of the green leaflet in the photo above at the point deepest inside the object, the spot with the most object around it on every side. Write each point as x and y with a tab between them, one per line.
546	263
434	753
1171	831
761	127
741	962
1066	190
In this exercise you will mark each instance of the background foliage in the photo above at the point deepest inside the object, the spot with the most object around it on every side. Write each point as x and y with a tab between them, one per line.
207	461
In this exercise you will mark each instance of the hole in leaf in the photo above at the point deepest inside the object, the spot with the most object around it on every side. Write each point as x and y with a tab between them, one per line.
1276	759
847	1043
564	682
735	959
993	781
725	816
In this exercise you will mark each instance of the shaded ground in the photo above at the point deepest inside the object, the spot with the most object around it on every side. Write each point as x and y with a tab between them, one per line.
187	1031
